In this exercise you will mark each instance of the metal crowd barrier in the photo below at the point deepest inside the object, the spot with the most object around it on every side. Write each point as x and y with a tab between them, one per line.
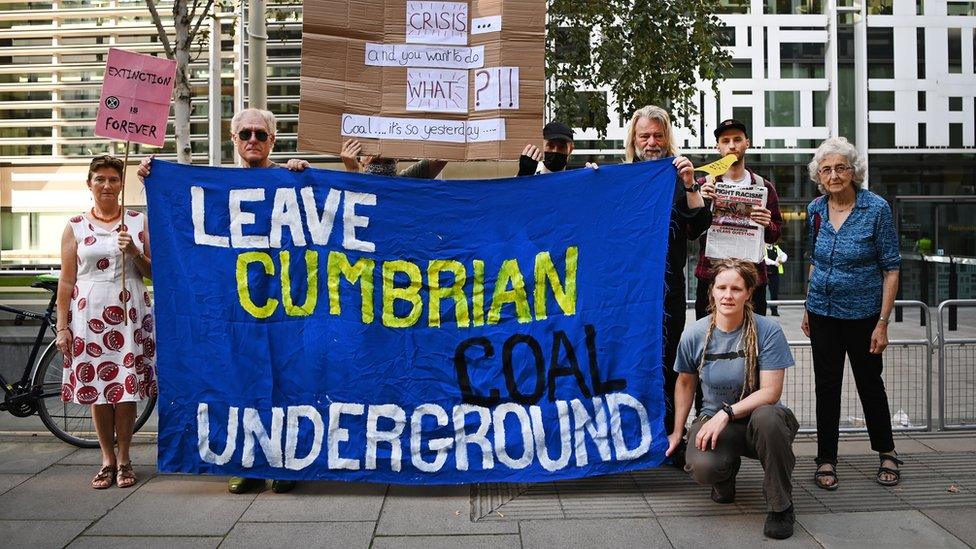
908	372
907	376
957	371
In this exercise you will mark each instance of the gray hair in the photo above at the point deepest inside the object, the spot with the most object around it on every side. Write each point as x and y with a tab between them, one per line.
843	147
270	122
650	112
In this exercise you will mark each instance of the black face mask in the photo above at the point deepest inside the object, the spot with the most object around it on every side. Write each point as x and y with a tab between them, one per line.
554	161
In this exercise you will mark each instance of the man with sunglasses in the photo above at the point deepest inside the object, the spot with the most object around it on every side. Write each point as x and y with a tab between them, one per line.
253	134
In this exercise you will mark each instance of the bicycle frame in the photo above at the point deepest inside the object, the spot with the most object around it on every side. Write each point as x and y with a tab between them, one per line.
47	322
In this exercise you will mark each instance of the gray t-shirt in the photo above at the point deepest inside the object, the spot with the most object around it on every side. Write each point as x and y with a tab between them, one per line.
724	370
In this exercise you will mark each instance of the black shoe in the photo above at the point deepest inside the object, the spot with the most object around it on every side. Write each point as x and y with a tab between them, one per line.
724	493
779	525
774	313
282	486
241	485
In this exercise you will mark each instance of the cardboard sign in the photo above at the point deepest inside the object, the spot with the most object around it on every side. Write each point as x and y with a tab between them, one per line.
136	92
437	23
496	88
437	90
719	167
373	70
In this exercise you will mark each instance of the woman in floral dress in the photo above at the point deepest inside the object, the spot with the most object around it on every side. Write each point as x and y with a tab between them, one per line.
105	332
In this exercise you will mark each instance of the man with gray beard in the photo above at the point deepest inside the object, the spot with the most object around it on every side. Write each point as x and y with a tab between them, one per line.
650	137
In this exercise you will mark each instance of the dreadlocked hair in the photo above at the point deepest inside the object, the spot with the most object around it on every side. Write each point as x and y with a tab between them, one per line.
750	337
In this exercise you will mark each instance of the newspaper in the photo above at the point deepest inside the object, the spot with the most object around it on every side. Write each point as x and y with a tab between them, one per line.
733	233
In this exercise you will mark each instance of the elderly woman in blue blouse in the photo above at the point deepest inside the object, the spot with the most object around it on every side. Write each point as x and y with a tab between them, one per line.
853	281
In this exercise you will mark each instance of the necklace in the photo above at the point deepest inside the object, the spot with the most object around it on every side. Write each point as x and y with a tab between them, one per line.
106	219
841	210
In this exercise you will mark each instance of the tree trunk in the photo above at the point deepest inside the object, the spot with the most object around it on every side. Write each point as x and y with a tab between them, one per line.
181	107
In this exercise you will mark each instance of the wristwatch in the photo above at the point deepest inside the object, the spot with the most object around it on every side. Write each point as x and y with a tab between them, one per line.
727	408
883	319
693	188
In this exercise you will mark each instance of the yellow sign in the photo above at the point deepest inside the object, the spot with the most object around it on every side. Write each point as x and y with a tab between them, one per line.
718	167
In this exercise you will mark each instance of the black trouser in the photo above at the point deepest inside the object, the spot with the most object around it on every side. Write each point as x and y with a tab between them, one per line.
701	299
772	277
674	325
830	339
701	311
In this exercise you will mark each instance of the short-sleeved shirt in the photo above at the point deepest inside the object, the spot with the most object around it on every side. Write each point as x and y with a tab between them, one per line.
848	264
723	374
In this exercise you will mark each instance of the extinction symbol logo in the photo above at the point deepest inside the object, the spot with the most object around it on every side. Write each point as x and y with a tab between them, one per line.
112	102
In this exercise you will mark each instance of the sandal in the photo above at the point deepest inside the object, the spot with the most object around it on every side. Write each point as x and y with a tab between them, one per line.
126	477
888	470
103	479
822	476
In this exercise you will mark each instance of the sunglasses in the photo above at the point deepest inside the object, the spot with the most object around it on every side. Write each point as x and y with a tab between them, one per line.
245	135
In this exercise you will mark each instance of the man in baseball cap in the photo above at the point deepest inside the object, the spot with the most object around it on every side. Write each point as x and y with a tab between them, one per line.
732	137
557	146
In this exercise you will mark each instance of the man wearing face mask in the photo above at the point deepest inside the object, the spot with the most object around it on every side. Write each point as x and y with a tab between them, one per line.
650	137
378	165
556	147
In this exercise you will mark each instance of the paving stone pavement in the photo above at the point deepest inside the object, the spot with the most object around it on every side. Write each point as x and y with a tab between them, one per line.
45	502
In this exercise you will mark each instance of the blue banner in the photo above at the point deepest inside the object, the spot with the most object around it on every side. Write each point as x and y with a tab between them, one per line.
328	325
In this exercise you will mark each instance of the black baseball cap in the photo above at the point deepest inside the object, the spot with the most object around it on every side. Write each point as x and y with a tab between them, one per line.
557	130
730	124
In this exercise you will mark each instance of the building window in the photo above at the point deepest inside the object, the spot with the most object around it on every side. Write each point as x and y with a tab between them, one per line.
960	8
955	51
881	100
955	135
782	109
881	52
733	6
880	7
802	60
881	136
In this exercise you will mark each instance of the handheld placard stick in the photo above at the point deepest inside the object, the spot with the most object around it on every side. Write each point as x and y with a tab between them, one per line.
125	166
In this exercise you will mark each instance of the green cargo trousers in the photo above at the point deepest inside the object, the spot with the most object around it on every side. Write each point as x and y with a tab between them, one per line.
767	435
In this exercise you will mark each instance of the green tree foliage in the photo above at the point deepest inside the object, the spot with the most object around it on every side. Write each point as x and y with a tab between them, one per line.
646	52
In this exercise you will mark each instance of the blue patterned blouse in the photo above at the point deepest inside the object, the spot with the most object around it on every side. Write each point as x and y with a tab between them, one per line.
848	264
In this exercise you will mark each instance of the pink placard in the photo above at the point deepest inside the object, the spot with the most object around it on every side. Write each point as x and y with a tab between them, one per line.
135	100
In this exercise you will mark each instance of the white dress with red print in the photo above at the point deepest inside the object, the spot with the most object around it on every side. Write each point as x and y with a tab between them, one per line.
113	346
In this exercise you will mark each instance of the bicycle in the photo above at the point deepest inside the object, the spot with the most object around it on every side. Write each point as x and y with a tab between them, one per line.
39	388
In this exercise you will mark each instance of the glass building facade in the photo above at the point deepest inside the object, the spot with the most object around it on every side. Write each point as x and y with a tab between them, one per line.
896	77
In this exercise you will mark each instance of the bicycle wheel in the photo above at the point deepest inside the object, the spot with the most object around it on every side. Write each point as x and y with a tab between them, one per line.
68	421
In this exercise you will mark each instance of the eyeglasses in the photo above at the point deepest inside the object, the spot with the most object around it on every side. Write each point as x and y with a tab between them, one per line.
839	170
245	135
